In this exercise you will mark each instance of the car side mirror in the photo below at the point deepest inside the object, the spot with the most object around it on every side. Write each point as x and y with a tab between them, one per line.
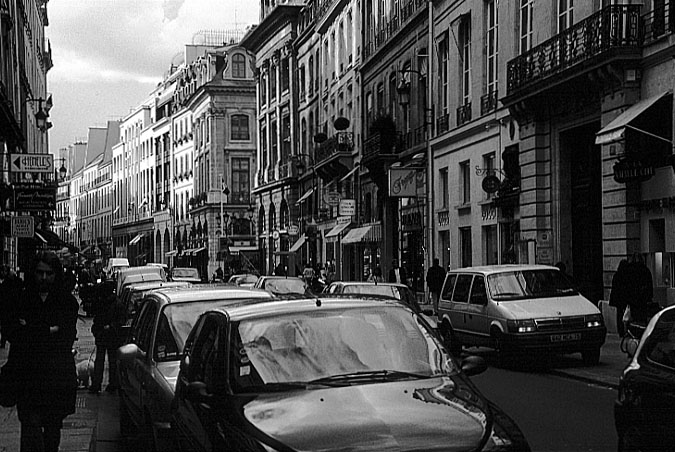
128	352
197	392
473	365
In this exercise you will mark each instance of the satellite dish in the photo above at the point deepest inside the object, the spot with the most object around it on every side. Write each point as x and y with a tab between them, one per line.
320	137
341	123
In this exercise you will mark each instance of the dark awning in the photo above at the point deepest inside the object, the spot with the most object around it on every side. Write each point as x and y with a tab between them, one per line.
53	240
615	130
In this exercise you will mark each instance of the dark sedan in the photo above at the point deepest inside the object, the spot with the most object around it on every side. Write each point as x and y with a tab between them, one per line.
645	409
323	374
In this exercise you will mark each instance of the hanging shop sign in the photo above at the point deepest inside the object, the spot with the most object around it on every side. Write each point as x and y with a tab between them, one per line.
332	198
347	207
30	199
31	163
491	183
626	170
405	182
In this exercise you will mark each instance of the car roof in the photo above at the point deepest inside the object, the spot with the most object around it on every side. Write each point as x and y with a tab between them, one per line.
250	309
156	285
281	277
491	269
207	292
369	283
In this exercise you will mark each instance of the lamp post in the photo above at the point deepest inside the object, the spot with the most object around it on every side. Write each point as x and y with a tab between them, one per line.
403	91
41	116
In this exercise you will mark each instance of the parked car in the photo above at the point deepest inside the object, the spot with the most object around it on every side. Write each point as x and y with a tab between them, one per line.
329	373
148	363
243	280
164	267
519	307
281	285
644	412
186	274
132	275
115	264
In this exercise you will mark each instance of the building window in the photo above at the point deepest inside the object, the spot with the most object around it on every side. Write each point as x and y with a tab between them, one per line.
491	46
526	30
263	90
285	76
241	181
465	180
286	137
465	247
443	73
310	66
239	128
445	188
489	166
565	14
263	145
239	66
465	48
490	245
392	95
273	83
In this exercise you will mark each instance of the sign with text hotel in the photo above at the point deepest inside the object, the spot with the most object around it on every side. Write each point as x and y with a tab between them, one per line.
405	182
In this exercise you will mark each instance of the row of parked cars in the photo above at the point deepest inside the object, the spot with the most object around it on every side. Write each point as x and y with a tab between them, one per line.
225	367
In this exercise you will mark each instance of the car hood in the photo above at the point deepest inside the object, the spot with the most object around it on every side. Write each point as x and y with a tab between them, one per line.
446	414
169	371
549	307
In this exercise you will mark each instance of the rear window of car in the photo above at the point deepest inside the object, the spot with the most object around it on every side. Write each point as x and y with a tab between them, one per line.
448	287
286	285
185	273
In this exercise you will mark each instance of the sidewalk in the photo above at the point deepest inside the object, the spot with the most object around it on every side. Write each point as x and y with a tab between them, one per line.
79	429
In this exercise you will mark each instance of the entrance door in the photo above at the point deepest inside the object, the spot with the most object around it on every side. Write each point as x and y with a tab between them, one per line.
585	210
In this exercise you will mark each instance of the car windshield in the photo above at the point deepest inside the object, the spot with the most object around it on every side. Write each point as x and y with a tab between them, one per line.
335	344
523	284
285	285
185	273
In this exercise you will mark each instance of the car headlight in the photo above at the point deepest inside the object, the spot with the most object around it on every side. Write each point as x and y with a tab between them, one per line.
593	320
521	326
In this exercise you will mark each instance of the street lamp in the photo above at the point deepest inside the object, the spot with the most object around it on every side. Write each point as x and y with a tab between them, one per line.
63	171
41	116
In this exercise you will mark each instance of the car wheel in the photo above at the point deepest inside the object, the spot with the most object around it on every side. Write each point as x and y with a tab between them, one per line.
591	357
629	440
504	353
450	340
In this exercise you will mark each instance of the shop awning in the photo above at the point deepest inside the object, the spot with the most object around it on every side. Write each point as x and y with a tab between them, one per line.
365	234
615	130
237	249
337	229
171	253
136	239
349	174
298	243
53	240
198	250
307	194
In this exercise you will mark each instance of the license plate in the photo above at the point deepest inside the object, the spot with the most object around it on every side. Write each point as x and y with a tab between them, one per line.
565	337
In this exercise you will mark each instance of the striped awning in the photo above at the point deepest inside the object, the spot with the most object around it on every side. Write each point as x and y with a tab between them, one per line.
337	229
365	234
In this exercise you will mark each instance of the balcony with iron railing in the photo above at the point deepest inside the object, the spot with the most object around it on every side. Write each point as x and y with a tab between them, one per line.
443	123
463	114
334	156
613	33
410	139
488	102
387	29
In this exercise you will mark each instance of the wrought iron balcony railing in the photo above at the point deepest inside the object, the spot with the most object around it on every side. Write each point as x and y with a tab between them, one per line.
338	143
488	102
613	27
464	114
386	30
408	140
443	124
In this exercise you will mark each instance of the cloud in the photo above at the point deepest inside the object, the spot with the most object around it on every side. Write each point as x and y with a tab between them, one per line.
172	8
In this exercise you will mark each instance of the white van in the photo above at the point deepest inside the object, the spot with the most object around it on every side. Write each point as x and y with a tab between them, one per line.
114	264
518	308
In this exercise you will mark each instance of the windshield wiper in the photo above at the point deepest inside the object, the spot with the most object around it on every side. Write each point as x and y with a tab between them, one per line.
368	375
275	387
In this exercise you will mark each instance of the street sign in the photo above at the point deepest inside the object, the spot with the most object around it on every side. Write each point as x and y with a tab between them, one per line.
31	163
29	199
332	198
23	226
347	207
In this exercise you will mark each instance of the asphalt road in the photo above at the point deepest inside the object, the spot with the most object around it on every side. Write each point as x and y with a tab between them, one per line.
555	413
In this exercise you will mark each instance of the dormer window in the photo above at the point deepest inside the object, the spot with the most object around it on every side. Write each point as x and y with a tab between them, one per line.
239	66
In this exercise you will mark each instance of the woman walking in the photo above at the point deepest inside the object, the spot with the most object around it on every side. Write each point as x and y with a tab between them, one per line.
41	337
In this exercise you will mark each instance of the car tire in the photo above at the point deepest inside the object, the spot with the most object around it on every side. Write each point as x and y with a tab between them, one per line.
591	357
629	440
504	353
450	340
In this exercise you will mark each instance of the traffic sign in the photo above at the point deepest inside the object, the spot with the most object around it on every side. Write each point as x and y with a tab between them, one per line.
23	226
30	199
31	163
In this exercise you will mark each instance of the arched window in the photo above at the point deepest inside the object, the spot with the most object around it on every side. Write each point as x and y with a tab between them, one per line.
239	128
261	220
284	215
272	218
303	136
238	66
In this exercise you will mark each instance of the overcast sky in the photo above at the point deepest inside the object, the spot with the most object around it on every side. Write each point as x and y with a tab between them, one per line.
109	54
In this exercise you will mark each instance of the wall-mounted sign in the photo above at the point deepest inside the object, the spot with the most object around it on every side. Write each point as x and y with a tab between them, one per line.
31	163
626	170
332	198
30	199
405	182
23	226
347	207
491	183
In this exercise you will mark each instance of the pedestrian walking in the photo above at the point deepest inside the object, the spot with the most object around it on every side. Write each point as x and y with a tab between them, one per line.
618	297
641	289
376	275
41	335
109	317
397	274
435	278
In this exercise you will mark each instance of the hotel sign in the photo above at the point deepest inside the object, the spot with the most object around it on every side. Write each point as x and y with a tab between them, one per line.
632	171
31	163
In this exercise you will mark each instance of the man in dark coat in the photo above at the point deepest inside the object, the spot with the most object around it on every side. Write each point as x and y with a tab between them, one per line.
435	278
620	294
397	274
641	289
109	317
42	332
